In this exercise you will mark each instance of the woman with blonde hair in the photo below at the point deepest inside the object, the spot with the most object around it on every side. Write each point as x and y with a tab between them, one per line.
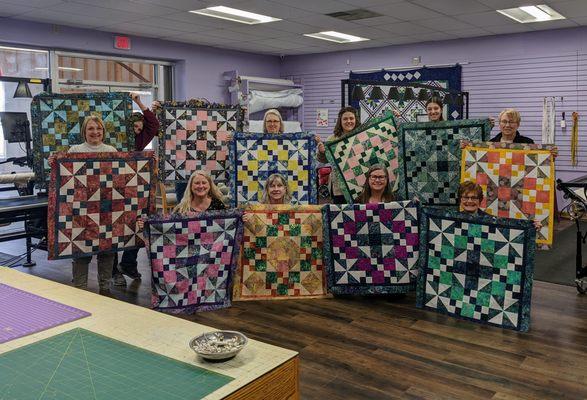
93	132
276	190
201	194
273	122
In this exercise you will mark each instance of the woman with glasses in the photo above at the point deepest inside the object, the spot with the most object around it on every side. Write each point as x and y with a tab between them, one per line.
471	196
272	122
345	124
377	188
509	121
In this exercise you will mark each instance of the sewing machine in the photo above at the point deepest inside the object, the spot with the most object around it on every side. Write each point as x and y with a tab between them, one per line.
576	191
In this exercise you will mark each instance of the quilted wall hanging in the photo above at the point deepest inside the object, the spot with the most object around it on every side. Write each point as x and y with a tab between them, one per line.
255	156
409	110
281	256
371	248
193	258
352	155
478	268
430	158
196	138
95	200
57	120
517	180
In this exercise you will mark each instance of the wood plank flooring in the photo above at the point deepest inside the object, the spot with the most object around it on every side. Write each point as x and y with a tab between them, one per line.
379	348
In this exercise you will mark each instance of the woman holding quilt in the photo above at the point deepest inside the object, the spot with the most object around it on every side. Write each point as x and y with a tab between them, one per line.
377	188
345	124
93	132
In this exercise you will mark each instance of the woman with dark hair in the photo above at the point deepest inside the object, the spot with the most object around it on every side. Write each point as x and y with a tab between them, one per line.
434	108
377	188
346	122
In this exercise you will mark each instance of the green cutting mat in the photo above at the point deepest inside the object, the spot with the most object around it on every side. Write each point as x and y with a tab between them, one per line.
80	364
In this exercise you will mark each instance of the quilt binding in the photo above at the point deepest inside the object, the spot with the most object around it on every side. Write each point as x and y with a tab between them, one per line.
266	208
54	159
232	161
329	146
519	148
238	238
463	123
365	289
528	259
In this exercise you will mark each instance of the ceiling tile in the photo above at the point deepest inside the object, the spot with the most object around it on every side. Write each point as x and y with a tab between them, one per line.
406	28
385	19
453	7
140	30
559	24
490	18
510	28
433	37
294	27
60	18
9	10
444	23
316	6
175	25
34	3
325	23
129	6
572	9
468	33
405	11
273	9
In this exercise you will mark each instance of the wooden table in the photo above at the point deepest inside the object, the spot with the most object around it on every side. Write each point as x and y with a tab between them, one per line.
260	371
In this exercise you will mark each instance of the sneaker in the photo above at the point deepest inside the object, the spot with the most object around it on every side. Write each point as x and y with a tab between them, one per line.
118	280
132	273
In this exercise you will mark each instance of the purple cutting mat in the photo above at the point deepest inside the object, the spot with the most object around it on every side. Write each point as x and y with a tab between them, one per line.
23	313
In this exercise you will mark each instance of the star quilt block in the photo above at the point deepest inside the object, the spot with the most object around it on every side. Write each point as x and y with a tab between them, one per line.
430	158
353	154
196	138
193	258
95	200
371	248
282	253
255	156
57	120
476	267
517	181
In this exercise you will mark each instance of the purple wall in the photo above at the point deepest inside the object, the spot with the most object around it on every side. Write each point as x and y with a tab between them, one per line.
515	70
199	68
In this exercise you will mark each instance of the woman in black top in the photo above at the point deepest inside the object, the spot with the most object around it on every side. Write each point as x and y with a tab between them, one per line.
201	194
509	121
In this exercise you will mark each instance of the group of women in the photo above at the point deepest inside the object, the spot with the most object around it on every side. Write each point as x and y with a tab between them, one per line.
202	194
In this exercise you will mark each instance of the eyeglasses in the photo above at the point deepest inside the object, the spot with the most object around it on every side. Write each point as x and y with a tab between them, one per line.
506	122
377	177
470	198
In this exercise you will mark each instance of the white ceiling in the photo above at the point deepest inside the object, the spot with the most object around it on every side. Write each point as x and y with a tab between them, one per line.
403	21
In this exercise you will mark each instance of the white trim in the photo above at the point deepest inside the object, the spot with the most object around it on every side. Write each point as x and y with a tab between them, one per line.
111	58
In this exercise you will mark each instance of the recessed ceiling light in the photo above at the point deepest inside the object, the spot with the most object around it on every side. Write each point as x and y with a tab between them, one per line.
337	37
528	14
236	15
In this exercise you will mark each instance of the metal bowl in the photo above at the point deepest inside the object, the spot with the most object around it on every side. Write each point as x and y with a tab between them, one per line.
218	345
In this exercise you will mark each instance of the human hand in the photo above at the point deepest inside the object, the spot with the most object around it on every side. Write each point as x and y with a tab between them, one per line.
140	224
465	143
537	225
491	121
155	106
247	217
396	113
554	152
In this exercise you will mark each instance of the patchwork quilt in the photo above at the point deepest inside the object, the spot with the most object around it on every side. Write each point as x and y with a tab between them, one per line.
409	110
282	253
371	248
517	179
193	258
196	139
255	156
430	158
476	267
57	120
95	200
352	155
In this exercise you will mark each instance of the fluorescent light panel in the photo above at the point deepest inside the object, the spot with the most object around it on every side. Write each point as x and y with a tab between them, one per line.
527	14
337	37
236	15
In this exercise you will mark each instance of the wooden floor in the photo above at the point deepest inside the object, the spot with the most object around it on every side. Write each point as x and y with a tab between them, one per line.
377	348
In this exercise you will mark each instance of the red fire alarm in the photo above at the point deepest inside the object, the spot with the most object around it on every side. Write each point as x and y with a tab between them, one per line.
122	42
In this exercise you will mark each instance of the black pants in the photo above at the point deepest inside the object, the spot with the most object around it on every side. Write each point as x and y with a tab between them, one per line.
128	262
